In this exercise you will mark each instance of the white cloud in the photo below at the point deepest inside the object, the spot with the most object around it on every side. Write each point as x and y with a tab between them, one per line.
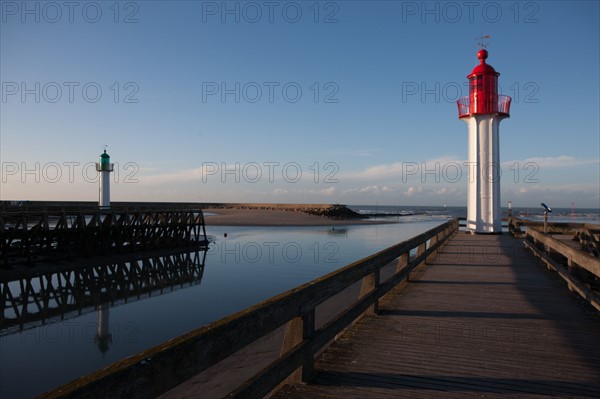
403	170
413	191
184	175
559	188
424	171
449	191
417	169
561	161
328	192
372	189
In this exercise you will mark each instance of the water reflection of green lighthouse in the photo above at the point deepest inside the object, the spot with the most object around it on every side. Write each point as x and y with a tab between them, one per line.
103	336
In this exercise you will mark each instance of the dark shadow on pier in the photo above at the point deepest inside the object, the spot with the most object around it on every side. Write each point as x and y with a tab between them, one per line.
449	383
457	282
459	314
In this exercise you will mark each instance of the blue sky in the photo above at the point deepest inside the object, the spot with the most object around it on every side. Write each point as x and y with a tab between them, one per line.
303	101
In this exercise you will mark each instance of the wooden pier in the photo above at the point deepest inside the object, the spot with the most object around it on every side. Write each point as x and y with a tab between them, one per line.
444	314
483	319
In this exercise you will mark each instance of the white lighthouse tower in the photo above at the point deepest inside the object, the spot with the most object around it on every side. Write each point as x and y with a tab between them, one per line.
483	110
104	167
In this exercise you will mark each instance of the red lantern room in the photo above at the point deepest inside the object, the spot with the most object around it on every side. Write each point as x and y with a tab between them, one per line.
483	92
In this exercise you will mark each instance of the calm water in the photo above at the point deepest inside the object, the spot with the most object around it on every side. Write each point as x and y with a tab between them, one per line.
251	264
573	215
243	266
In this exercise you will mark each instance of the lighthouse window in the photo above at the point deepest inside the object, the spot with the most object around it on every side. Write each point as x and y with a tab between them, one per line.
476	84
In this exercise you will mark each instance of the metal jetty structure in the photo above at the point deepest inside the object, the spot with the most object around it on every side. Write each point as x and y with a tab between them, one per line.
31	235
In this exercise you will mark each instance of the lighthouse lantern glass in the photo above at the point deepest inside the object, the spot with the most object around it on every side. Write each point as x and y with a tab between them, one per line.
483	93
105	162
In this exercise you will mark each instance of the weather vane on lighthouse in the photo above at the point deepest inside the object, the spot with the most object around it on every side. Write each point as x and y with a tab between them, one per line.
481	41
483	110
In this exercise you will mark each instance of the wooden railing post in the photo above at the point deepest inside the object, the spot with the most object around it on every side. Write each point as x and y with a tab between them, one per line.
432	242
421	250
402	262
514	227
308	334
570	270
299	329
293	336
369	283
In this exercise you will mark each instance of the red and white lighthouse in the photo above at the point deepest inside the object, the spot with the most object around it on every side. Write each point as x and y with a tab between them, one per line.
483	110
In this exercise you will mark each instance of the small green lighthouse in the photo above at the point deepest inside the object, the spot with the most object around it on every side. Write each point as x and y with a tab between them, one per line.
104	167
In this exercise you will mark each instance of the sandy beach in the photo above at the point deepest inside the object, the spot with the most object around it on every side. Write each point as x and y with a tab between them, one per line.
273	217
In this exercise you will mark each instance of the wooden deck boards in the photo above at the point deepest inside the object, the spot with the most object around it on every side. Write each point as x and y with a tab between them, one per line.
484	319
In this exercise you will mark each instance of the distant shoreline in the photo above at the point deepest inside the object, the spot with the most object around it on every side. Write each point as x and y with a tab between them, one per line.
275	217
226	214
41	204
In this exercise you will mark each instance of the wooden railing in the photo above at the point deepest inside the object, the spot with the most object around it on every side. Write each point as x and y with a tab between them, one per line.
156	370
580	270
515	225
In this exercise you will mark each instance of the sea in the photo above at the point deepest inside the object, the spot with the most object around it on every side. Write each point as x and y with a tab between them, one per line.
568	215
74	325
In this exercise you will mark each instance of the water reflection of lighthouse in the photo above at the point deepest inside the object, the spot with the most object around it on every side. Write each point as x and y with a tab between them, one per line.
103	336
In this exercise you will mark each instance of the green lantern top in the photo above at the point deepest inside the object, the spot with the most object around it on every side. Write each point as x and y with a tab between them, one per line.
105	161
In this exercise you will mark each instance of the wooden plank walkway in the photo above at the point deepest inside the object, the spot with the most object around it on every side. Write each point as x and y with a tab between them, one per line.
483	319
